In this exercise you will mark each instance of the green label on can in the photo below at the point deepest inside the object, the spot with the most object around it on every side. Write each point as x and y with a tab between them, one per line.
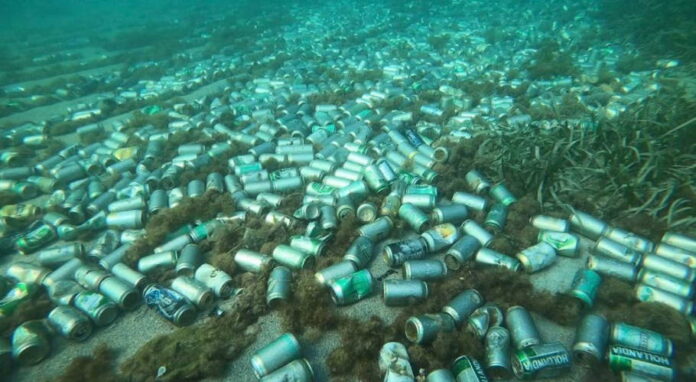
566	244
15	297
37	239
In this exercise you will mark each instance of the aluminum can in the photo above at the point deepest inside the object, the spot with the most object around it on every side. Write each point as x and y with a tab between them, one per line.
366	212
252	261
70	323
641	339
360	251
31	342
565	244
476	181
308	245
429	269
415	218
489	257
500	193
64	272
356	190
335	271
158	201
36	239
677	254
396	254
622	358
669	267
56	256
328	217
440	375
585	285
27	272
298	370
680	241
522	328
20	294
352	288
472	228
195	188
217	280
461	251
498	353
614	268
647	293
165	259
90	276
126	219
130	276
587	225
193	290
496	217
169	304
293	258
475	202
134	203
483	318
116	256
215	182
120	292
468	369
378	230
537	257
630	240
274	355
610	248
591	340
278	286
189	259
452	213
287	185
99	309
345	208
666	283
423	329
462	305
548	223
420	201
440	236
541	361
403	292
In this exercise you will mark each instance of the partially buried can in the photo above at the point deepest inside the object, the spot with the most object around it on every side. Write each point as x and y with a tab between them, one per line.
541	361
298	370
70	323
276	354
352	288
169	304
468	369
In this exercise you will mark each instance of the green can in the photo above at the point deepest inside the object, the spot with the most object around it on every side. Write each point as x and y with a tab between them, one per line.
468	369
500	193
352	288
585	286
15	297
641	339
409	177
541	361
565	244
496	216
248	168
36	239
622	358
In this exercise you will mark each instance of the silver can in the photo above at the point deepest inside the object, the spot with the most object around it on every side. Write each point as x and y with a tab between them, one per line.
629	239
591	340
89	276
440	375
189	259
403	292
522	328
472	228
70	323
610	267
252	261
193	290
57	256
441	236
461	251
587	225
274	355
336	271
396	254
475	202
278	286
158	260
298	370
666	283
423	329
537	257
415	218
647	293
669	267
429	269
366	212
677	254
31	342
378	230
497	343
476	181
548	223
452	213
120	292
99	308
462	305
680	241
129	275
489	257
125	219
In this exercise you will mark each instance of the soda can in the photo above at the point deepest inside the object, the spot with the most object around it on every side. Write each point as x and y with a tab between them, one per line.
498	353
378	230
169	304
335	271
476	181
607	247
357	191
217	280
307	245
276	354
31	342
496	217
328	218
666	283
537	257
278	286
36	239
415	218
403	292
345	208
630	240
440	236
462	305
273	200
468	369
352	288
452	213
27	272
126	219
641	339
104	245
677	254
585	285
134	203
70	323
680	241
130	276
214	181
194	291
462	250
423	329
89	276
298	370
165	259
396	254
669	267
541	361
591	338
622	358
189	259
483	318
440	375
120	292
489	257
614	268
251	261
309	211
565	244
20	294
360	251
522	328
501	194
427	270
647	293
293	258
287	185
548	223
366	212
64	272
475	202
99	308
587	225
158	201
472	228
375	179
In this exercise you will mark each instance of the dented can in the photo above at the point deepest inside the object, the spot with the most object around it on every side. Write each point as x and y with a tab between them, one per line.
360	251
215	279
610	267
591	338
537	257
489	257
607	247
158	260
169	304
293	258
102	311
565	244
415	218
70	323
497	344
548	223
31	342
352	288
472	228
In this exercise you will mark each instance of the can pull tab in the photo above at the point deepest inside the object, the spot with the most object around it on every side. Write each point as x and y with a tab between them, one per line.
161	371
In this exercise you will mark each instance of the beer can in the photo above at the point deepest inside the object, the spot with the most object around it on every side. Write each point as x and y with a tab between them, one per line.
537	257
591	338
440	236
541	361
127	274
522	328
64	272
472	228
677	254
548	223
415	218
440	375
476	181
90	276
565	244
36	239
475	202
102	311
489	257
496	216
607	247
278	286
120	292
345	208
587	225
452	213
468	369
396	254
335	271
462	250
669	267
462	305
293	258
251	261
328	218
483	318
427	270
585	285
622	358
647	293
360	251
423	329
189	259
421	201
309	211
274	355
31	342
352	288
194	291
169	304
165	259
666	283
501	194
497	344
403	292
614	268
630	240
680	241
158	201
70	323
378	230
366	212
126	219
641	339
27	272
5	354
215	279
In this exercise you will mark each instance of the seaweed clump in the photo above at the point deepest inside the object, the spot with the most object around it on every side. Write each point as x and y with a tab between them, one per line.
551	61
36	309
96	367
